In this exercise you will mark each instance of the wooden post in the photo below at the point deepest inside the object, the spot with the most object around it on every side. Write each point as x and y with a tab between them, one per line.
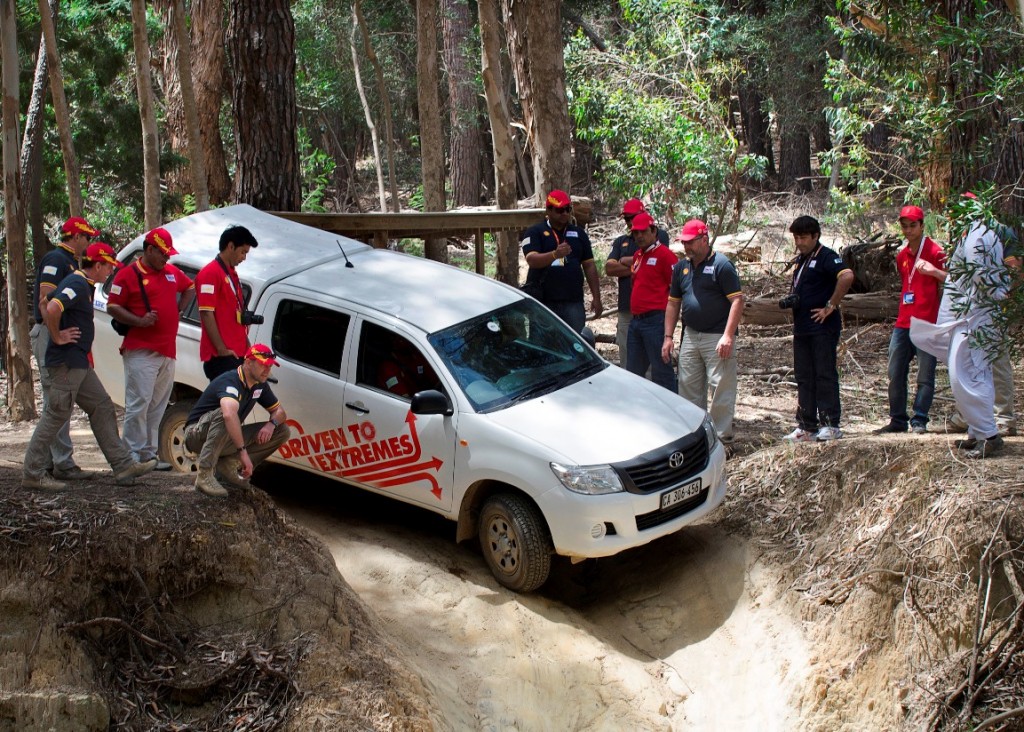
480	251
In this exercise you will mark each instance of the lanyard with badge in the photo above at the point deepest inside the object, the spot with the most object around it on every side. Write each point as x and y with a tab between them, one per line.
556	262
803	265
908	296
235	288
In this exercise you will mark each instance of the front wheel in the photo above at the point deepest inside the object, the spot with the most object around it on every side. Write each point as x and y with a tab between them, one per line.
171	447
515	542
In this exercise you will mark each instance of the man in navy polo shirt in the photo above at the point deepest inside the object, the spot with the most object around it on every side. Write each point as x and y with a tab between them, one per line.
214	426
820	281
652	275
54	266
559	256
706	288
620	266
69	320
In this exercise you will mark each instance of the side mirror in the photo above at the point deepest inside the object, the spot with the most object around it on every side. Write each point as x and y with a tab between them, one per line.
431	401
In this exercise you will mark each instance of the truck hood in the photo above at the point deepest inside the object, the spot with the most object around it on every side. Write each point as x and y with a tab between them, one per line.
608	417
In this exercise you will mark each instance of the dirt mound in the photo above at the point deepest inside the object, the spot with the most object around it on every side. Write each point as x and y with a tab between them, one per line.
154	607
911	563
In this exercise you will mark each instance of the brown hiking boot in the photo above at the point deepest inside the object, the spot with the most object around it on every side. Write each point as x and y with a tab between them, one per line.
43	482
133	471
207	483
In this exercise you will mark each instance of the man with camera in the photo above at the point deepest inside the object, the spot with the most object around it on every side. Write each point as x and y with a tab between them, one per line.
921	264
820	281
706	288
225	321
214	427
147	299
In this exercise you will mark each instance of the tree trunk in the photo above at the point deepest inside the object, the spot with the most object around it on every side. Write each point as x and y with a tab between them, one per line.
457	29
370	125
431	136
197	164
176	177
535	47
756	125
32	153
150	141
261	39
794	158
60	111
867	307
385	99
501	135
208	72
18	360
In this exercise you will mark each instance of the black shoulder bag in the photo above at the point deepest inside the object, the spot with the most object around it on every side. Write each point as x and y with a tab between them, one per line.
123	328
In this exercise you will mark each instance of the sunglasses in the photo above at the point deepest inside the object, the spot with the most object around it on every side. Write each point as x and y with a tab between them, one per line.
564	209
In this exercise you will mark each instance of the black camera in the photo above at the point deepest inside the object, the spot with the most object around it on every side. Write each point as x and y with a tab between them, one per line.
251	318
790	301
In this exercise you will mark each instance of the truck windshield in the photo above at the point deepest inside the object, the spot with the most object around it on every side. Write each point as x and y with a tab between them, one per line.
512	354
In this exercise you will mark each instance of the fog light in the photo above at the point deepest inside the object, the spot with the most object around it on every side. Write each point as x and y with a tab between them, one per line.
597	531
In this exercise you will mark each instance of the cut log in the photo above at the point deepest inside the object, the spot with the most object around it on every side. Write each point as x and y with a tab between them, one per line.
866	307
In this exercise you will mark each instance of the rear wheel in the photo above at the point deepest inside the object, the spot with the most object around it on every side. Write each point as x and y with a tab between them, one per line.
515	542
171	447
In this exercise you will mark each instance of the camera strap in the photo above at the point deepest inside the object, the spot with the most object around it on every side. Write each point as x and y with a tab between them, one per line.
802	266
236	287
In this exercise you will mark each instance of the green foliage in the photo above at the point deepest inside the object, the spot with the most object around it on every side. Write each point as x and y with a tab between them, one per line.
317	171
655	112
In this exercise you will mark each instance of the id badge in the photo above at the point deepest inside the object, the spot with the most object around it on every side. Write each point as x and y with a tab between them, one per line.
908	298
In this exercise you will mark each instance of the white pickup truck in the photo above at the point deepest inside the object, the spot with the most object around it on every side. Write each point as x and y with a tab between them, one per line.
516	429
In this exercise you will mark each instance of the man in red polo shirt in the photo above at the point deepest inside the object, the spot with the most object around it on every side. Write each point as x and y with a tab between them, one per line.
149	296
225	337
652	275
922	267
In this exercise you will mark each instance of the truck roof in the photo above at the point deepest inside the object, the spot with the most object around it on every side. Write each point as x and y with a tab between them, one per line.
426	294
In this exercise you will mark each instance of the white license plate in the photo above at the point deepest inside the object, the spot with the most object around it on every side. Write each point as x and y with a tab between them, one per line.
680	494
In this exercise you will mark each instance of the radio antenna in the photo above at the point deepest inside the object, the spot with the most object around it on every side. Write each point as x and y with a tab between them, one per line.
348	262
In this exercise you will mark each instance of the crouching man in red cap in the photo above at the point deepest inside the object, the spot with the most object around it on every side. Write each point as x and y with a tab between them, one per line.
214	426
148	296
69	320
922	267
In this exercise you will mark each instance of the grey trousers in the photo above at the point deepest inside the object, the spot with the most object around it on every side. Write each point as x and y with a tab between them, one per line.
61	456
209	437
67	388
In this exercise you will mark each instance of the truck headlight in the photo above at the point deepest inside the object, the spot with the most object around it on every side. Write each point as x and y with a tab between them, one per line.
710	433
590	480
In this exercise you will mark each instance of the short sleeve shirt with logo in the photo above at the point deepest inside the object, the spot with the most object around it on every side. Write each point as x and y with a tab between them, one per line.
162	290
220	292
74	295
921	294
231	385
563	279
814	278
652	275
625	246
55	265
705	292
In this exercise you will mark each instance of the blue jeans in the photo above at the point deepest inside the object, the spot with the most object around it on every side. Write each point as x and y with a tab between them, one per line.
643	346
817	380
901	353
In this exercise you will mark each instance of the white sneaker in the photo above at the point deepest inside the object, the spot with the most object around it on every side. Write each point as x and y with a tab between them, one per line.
828	433
799	435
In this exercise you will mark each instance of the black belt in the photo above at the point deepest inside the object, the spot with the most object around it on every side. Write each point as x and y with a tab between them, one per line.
649	314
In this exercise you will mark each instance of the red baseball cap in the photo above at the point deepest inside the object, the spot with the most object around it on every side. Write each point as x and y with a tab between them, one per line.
692	229
558	199
641	222
263	354
632	207
161	239
78	225
914	213
101	252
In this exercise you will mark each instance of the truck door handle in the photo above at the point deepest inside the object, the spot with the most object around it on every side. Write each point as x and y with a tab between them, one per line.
357	406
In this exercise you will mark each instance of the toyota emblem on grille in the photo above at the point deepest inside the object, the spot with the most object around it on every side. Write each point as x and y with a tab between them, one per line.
675	460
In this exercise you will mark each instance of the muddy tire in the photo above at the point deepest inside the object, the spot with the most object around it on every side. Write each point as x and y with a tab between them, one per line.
515	542
171	446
